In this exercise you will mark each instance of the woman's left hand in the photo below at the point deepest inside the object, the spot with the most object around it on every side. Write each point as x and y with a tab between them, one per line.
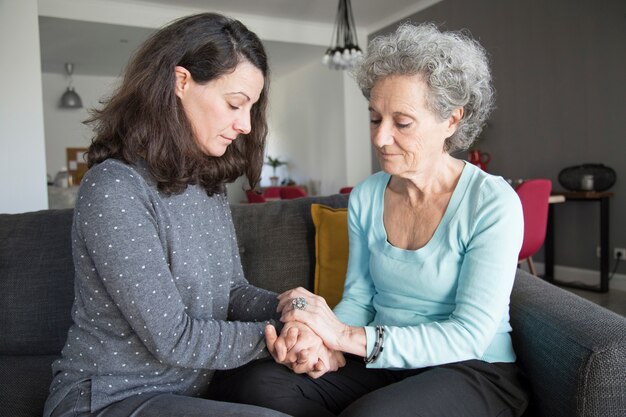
297	347
315	313
302	350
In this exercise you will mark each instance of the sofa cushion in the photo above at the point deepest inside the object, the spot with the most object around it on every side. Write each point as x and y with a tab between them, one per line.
573	352
276	241
331	251
36	283
25	381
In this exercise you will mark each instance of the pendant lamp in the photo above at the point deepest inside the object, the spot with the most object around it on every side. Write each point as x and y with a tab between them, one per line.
344	53
70	99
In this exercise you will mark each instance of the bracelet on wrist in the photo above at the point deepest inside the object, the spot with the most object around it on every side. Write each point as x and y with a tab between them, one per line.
378	345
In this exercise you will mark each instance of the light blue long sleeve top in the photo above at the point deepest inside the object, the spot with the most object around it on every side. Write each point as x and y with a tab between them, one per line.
447	301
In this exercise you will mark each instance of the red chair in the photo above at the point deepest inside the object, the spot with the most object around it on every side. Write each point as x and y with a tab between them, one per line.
290	192
534	195
254	197
272	192
345	190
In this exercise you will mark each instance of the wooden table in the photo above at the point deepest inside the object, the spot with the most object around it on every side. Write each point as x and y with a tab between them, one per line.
603	199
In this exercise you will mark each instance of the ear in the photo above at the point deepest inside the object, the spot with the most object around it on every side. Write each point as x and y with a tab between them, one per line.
182	79
455	119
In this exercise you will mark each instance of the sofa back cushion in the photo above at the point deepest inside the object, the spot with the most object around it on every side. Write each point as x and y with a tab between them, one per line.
36	281
24	384
277	241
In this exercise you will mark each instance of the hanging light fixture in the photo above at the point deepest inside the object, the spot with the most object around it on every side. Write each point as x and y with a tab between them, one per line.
70	99
344	53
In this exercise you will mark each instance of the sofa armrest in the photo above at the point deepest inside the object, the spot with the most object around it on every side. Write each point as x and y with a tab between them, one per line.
572	351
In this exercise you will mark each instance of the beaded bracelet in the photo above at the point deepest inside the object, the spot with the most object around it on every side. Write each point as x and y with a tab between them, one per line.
378	345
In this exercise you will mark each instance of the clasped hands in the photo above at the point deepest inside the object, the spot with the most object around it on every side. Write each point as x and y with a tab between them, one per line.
308	342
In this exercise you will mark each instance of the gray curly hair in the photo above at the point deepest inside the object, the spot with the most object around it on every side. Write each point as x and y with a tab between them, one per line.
454	66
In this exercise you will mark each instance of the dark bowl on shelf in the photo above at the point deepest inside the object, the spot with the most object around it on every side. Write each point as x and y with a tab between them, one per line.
571	178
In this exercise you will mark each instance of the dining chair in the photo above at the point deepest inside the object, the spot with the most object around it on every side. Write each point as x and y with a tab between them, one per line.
254	197
534	195
290	192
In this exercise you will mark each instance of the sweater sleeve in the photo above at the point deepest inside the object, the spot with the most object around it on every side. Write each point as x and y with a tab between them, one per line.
356	305
116	222
485	281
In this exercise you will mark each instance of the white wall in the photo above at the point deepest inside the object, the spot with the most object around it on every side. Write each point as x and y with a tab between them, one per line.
22	159
64	128
357	134
307	127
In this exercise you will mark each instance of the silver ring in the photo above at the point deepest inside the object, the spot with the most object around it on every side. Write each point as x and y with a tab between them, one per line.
299	303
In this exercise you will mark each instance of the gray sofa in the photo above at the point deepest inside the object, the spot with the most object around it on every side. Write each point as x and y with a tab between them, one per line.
573	351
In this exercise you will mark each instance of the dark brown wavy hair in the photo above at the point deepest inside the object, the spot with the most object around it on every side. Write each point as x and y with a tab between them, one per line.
144	119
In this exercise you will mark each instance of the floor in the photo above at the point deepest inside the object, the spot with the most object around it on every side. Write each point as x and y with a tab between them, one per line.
614	300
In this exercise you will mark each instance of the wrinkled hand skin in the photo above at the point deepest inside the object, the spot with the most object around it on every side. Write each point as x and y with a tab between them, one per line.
317	316
302	350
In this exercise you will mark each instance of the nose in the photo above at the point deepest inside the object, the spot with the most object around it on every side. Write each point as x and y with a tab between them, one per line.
381	135
243	124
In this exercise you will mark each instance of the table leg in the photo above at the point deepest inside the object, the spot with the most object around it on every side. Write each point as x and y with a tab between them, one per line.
604	244
549	246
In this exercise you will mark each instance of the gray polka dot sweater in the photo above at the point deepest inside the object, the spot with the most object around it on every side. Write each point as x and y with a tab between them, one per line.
161	300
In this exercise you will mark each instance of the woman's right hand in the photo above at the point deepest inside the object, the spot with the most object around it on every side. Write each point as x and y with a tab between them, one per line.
317	315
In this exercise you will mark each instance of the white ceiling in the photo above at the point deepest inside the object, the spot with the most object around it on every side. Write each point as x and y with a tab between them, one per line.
103	49
367	13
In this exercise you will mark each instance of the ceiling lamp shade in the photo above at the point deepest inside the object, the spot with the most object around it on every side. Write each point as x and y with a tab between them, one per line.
70	99
344	53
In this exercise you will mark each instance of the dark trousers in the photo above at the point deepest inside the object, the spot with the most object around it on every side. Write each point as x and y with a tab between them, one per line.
471	388
78	403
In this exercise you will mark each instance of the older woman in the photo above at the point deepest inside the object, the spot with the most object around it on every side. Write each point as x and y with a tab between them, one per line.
433	252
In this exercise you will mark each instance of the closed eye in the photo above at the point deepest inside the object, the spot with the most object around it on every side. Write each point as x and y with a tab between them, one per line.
233	107
398	125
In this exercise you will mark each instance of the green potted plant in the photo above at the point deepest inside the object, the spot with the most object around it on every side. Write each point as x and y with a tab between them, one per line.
274	163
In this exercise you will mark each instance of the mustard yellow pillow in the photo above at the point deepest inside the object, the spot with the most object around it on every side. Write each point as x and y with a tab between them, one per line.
331	251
